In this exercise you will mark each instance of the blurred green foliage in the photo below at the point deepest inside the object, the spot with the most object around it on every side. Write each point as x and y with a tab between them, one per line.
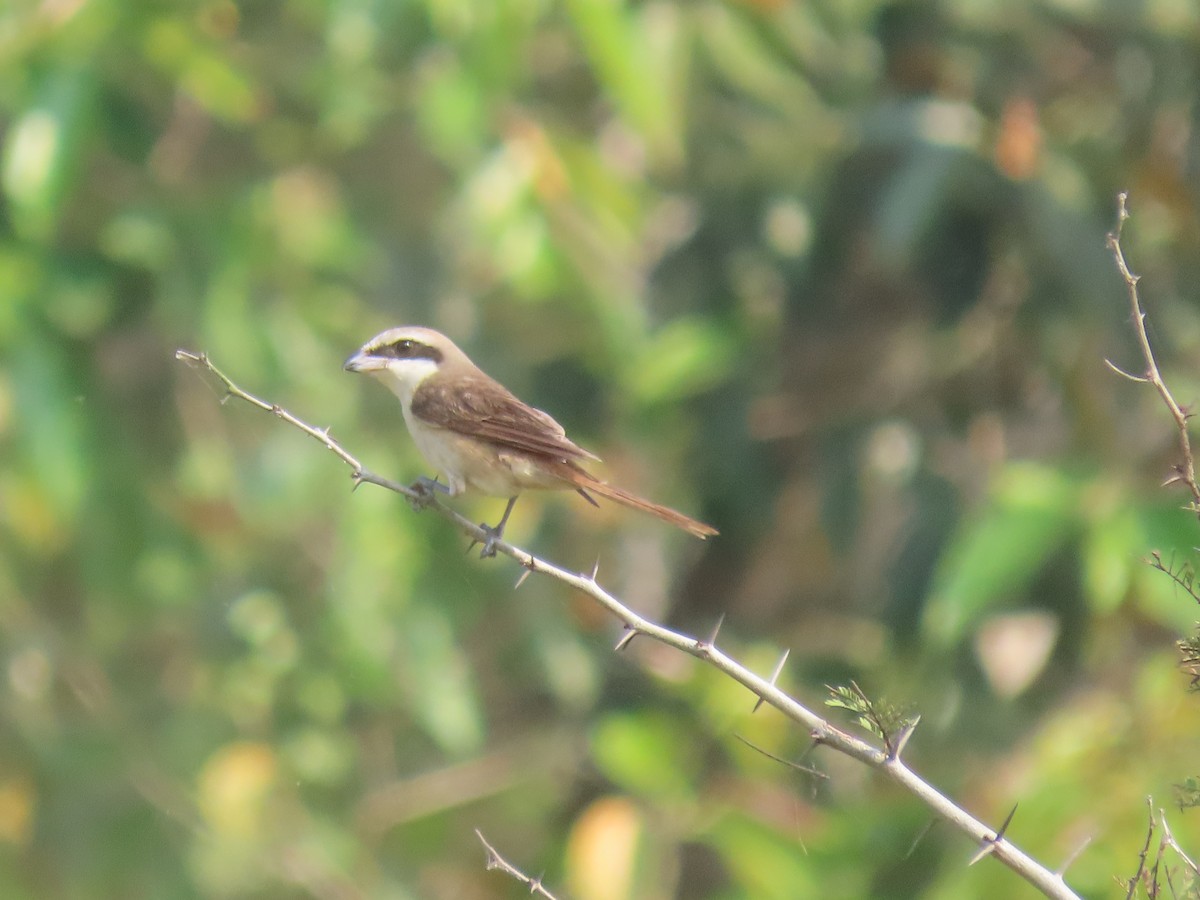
829	275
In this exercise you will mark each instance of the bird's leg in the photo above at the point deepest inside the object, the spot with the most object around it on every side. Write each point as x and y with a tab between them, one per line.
425	488
494	532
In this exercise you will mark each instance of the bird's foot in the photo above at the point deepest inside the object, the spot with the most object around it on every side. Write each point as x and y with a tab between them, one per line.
493	533
423	490
489	542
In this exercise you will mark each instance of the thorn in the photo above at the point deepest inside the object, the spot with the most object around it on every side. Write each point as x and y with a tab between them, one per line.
712	638
626	638
989	844
912	848
521	580
1008	821
902	738
1072	856
595	570
774	677
535	884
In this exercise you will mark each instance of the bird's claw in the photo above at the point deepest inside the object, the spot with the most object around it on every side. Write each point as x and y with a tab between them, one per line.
489	542
423	490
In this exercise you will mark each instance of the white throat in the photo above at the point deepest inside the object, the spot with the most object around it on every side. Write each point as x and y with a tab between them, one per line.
404	376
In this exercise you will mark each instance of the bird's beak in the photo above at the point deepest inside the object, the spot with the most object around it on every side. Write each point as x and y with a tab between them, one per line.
361	362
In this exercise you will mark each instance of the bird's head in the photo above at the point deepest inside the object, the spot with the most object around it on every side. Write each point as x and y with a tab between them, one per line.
404	357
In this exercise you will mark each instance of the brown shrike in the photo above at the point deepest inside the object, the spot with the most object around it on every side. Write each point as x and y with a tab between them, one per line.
477	434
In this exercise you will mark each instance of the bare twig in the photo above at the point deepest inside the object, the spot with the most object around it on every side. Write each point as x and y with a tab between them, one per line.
1184	575
496	861
807	770
1185	471
1136	878
1169	839
1050	883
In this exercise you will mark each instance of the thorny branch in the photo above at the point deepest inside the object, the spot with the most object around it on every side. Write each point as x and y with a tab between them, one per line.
890	763
1185	470
1183	576
496	861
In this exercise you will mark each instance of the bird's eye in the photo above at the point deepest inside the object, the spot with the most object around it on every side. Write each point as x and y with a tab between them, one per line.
397	349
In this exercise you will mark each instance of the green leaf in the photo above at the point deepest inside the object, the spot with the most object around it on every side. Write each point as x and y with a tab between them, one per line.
439	679
52	440
43	150
648	753
638	81
766	863
685	357
1113	548
1035	509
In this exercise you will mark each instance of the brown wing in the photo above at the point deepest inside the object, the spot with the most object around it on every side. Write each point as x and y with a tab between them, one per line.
478	406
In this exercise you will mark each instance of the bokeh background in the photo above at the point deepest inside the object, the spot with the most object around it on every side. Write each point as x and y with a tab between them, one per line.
830	275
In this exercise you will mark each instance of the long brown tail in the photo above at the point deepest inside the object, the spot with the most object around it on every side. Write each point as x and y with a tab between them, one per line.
586	482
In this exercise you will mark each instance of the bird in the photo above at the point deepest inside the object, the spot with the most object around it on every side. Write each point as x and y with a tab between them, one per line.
479	435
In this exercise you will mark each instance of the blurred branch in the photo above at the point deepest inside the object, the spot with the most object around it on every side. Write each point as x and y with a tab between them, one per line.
460	783
1136	878
1185	471
1148	872
496	861
822	732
